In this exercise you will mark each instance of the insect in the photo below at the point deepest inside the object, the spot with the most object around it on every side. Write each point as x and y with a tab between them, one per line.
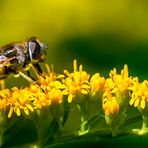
15	58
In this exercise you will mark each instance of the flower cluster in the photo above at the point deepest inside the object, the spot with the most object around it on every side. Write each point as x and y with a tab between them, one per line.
76	82
139	97
50	88
115	90
43	93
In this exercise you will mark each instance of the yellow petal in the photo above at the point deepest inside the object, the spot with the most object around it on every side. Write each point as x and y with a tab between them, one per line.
94	77
18	112
65	92
26	111
75	65
48	68
136	103
83	91
58	84
80	68
30	107
85	86
66	72
132	101
125	71
60	76
142	104
10	112
70	97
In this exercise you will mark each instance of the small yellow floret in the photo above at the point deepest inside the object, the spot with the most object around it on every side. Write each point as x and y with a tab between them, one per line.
139	94
97	83
76	82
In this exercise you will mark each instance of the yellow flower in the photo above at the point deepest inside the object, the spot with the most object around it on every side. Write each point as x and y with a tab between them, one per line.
121	82
39	97
109	84
118	86
41	100
76	82
115	97
110	104
20	100
55	95
139	94
97	83
49	80
51	87
46	98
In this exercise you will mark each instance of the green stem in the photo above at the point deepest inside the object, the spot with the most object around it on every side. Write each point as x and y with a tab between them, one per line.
83	117
92	136
145	120
41	120
131	120
83	128
47	127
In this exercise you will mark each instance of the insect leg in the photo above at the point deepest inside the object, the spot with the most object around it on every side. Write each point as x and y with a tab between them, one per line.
30	80
27	78
29	75
38	68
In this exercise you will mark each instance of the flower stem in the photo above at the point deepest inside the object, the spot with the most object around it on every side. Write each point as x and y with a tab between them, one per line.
145	120
84	128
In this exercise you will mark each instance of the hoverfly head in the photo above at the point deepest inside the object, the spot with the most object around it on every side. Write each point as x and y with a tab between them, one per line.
36	50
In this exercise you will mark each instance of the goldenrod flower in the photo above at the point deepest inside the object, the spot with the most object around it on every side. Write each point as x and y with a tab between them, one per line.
49	80
115	90
40	99
97	83
109	84
121	82
55	95
139	94
20	100
76	82
110	104
51	87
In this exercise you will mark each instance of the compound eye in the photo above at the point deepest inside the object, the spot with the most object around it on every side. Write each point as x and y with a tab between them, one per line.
34	50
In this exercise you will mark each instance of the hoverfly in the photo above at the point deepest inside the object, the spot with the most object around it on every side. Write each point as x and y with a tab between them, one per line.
15	58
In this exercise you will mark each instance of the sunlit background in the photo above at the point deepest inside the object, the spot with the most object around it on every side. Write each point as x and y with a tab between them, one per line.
100	34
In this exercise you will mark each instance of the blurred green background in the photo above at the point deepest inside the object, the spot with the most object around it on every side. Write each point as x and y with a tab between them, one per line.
100	34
